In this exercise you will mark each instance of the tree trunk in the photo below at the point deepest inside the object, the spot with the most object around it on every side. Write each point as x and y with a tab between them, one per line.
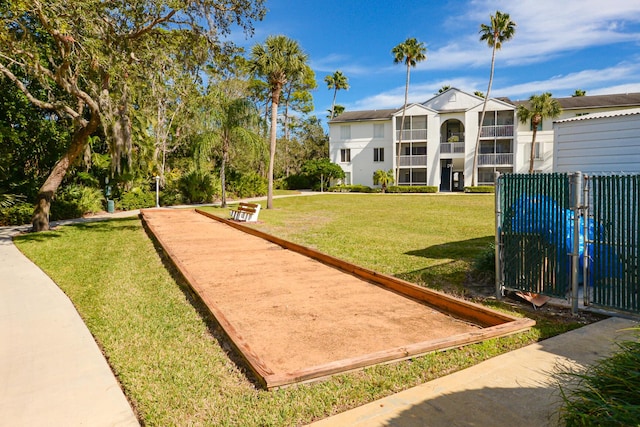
223	180
533	144
404	109
42	208
272	144
474	172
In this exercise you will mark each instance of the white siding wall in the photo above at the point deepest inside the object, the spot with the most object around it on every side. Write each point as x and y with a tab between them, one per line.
362	144
607	144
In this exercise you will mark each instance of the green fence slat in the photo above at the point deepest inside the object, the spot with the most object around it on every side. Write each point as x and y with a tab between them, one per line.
616	216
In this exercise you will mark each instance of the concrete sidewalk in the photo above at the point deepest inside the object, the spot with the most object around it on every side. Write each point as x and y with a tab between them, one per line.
515	389
52	372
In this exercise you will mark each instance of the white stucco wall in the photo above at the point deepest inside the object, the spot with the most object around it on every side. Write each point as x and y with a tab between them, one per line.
362	144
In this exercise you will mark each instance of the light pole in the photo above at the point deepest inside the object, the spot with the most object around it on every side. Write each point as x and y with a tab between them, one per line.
157	191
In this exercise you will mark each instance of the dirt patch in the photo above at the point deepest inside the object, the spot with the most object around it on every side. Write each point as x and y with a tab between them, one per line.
291	312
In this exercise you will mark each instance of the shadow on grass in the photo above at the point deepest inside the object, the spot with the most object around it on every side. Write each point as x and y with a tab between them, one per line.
100	226
463	249
452	275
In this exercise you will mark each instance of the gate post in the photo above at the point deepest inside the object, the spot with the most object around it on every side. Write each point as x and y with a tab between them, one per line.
576	192
498	238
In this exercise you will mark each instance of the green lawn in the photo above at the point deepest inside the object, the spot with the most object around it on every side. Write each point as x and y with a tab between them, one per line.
170	357
427	239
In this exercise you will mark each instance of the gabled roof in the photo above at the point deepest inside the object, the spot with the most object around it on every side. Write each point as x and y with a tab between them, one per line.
355	116
595	101
603	114
623	100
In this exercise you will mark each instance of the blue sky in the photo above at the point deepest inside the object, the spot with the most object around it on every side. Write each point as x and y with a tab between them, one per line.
559	46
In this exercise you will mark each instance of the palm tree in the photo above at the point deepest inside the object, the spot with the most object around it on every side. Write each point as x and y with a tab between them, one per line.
336	81
479	93
237	124
444	88
278	61
383	178
540	107
501	29
411	51
337	110
579	92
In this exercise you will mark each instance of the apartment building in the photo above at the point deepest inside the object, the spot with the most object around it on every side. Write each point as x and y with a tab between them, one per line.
436	145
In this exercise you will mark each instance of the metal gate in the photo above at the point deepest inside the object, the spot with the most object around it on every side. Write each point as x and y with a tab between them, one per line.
556	233
613	272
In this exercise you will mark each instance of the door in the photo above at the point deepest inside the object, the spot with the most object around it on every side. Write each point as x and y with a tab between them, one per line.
445	176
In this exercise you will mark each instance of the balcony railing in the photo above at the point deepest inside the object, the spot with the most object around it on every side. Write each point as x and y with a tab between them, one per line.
453	137
452	148
496	131
495	159
419	160
412	135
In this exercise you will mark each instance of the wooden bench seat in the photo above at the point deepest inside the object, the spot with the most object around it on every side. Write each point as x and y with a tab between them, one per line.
246	212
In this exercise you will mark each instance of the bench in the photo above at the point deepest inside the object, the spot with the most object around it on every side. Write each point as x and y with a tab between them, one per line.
246	212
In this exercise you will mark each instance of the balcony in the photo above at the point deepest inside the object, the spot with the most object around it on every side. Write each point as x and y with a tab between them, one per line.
416	160
452	148
495	159
499	131
412	135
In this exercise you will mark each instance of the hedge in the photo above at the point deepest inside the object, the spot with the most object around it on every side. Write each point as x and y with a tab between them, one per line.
480	189
412	189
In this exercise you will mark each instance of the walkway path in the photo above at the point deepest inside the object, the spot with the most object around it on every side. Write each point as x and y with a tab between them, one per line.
515	389
52	372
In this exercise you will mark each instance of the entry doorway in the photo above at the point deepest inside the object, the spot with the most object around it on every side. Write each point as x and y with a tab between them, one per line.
446	179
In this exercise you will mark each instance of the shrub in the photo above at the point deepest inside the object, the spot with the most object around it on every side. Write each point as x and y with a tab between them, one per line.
295	182
412	189
17	214
354	188
607	394
198	186
484	265
136	198
480	189
75	201
248	185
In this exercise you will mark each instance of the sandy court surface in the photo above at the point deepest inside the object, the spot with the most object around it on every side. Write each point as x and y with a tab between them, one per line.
293	311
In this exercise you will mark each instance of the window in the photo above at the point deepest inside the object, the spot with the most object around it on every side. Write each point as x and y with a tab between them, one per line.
345	132
538	151
531	126
345	155
378	154
378	131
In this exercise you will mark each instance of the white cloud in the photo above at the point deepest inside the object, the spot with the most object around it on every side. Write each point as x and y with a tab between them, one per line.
564	85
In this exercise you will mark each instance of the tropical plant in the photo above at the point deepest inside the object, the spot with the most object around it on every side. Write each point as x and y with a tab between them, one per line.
501	29
479	93
540	107
277	61
383	178
235	127
97	58
337	110
444	88
336	81
579	92
322	171
409	52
